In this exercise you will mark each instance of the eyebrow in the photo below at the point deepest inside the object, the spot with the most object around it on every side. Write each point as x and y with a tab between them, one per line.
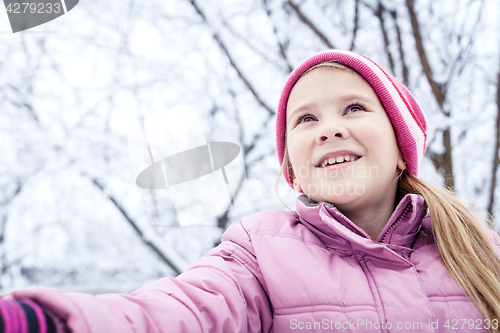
351	97
343	99
304	107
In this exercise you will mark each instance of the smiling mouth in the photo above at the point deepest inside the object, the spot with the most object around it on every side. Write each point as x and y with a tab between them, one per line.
338	160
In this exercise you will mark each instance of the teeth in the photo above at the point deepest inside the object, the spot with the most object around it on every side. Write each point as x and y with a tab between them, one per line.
337	160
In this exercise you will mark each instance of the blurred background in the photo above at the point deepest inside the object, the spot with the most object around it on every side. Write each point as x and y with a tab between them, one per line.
71	216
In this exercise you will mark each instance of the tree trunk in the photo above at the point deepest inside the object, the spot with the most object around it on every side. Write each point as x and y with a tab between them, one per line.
496	157
443	162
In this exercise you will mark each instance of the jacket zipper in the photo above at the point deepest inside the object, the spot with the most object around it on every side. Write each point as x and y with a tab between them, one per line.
395	224
350	223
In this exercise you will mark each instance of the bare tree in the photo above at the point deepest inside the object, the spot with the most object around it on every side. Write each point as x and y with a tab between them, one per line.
237	56
443	161
355	25
404	67
496	153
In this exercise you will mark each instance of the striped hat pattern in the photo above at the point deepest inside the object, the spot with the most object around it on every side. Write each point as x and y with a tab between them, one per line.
403	110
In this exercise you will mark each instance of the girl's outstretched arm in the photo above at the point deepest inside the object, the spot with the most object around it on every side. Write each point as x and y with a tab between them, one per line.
221	292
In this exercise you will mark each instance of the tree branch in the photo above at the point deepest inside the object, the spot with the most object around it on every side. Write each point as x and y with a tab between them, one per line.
224	49
496	157
311	25
443	162
136	228
437	89
404	68
355	28
264	55
379	12
282	47
3	222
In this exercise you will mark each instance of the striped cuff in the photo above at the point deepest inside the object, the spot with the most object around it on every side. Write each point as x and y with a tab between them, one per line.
24	316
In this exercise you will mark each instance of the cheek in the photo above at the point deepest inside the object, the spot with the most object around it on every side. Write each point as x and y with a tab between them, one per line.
296	147
369	135
299	158
383	148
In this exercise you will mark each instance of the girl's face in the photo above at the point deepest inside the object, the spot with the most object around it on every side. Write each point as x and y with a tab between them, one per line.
335	117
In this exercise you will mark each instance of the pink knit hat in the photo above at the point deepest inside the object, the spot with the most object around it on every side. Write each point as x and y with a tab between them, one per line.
401	107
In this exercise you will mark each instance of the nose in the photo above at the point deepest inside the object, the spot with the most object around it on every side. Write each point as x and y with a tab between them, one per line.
331	131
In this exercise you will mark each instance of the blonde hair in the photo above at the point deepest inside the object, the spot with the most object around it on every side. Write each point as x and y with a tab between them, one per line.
331	64
463	243
460	235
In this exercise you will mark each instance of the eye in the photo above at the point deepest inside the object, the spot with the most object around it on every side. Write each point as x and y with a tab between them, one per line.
354	108
305	118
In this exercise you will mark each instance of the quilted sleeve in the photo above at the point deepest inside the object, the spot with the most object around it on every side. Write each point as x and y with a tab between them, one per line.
221	292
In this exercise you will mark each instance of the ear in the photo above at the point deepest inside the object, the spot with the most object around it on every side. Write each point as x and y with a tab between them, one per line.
296	185
401	163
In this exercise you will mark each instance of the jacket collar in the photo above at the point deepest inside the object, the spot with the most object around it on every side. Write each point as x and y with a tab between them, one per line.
323	219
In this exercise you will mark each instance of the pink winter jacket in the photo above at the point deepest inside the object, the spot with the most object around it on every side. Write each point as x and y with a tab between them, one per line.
277	271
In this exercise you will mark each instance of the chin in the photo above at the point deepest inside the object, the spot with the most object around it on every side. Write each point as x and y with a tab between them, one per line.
338	192
334	199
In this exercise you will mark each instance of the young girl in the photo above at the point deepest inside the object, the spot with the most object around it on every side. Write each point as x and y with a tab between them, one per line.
371	248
